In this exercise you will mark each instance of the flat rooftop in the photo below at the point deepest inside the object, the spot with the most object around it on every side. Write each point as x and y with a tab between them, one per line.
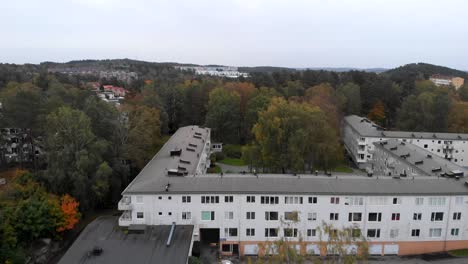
367	128
119	247
419	158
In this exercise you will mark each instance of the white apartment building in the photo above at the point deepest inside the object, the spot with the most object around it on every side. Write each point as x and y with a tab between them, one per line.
243	212
359	135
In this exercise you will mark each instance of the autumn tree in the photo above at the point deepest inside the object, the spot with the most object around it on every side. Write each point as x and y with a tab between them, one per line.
377	113
458	118
324	97
295	137
71	215
144	134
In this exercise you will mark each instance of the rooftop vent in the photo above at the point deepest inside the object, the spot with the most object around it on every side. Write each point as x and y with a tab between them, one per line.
190	149
419	162
394	148
175	172
429	156
176	152
196	136
184	161
436	169
181	168
192	145
384	142
198	133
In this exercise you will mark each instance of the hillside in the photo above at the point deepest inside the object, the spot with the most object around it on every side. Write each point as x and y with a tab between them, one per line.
421	71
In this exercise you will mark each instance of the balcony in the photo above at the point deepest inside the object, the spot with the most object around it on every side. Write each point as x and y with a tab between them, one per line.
125	219
448	147
125	204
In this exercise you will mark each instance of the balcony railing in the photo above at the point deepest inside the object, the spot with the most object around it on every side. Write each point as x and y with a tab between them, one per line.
125	204
125	219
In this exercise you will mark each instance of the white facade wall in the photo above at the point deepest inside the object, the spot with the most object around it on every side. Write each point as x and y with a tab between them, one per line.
168	208
361	148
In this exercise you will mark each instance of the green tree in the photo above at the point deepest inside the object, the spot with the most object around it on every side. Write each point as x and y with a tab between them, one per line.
351	94
223	115
463	92
74	155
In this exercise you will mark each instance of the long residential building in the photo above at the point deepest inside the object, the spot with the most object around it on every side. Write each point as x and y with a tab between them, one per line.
244	212
359	135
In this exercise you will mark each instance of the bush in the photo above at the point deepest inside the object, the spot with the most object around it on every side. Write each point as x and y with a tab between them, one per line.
233	151
194	260
219	156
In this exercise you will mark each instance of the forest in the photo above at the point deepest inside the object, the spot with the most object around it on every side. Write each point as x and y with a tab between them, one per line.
284	120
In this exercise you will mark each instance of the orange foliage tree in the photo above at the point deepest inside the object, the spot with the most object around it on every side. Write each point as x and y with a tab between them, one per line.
71	215
377	113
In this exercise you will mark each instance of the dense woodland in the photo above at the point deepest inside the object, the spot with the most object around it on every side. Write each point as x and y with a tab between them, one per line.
286	121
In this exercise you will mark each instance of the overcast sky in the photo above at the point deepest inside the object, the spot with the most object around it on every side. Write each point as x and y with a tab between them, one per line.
309	33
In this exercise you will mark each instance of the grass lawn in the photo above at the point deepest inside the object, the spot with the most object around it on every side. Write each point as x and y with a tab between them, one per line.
459	252
215	169
232	161
343	168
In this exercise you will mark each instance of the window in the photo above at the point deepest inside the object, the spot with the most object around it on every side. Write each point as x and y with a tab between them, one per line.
375	217
396	217
312	216
437	216
186	199
290	232
160	213
354	201
425	145
437	201
269	199
231	232
293	200
139	215
419	201
373	233
355	217
454	231
250	232
435	232
334	216
271	216
311	232
417	216
457	216
169	197
209	199
139	199
160	197
291	216
228	215
394	233
415	232
313	200
186	215
396	200
251	199
208	215
170	213
229	199
334	200
459	200
378	200
250	215
271	232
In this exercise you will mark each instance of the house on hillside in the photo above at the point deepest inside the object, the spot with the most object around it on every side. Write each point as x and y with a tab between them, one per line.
439	79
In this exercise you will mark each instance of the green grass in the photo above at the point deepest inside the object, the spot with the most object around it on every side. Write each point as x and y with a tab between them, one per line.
232	162
343	168
215	169
459	252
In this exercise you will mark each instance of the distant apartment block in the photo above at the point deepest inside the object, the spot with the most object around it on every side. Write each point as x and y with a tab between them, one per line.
241	213
220	71
359	135
439	80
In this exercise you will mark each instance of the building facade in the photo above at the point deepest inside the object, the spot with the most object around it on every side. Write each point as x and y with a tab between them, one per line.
359	135
245	212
